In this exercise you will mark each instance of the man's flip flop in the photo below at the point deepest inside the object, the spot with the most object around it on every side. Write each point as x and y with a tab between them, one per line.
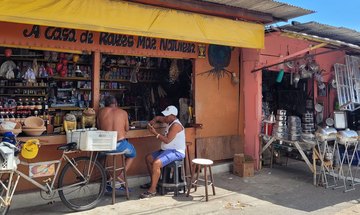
147	194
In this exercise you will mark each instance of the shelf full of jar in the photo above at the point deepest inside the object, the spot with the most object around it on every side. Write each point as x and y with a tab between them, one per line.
23	91
22	108
31	58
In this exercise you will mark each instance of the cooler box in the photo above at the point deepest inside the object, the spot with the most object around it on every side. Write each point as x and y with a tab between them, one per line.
93	140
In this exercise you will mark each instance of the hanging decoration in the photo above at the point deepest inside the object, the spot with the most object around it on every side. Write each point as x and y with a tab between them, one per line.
219	59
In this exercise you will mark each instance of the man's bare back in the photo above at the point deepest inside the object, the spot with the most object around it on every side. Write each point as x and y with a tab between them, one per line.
114	119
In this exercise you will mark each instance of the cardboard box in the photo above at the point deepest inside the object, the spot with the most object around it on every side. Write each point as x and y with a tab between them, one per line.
239	158
243	165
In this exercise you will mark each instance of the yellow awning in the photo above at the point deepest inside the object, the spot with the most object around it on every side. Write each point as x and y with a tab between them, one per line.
122	17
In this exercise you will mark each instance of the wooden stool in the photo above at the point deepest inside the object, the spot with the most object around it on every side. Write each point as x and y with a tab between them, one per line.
173	177
188	161
197	164
115	169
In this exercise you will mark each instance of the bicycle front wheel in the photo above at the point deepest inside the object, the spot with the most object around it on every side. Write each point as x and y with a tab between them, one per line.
82	184
6	188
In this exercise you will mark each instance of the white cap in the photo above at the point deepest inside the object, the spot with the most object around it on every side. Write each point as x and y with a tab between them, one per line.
170	110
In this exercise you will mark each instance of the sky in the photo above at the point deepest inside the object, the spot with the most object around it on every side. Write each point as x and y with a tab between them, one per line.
338	13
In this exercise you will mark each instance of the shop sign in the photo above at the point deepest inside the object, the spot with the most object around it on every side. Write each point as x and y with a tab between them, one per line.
105	39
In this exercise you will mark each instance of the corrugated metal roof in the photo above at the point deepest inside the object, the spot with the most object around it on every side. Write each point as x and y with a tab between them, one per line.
326	31
280	11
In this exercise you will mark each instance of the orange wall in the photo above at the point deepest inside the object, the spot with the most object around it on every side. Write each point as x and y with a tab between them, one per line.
217	100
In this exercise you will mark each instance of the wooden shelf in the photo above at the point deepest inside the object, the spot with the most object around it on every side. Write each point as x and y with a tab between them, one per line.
65	108
112	89
31	58
71	78
128	81
26	87
23	95
85	89
115	80
130	67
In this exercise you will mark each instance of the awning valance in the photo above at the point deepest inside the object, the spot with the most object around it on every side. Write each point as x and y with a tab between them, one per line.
122	17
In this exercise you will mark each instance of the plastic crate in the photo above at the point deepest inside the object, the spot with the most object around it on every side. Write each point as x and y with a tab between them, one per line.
7	159
93	140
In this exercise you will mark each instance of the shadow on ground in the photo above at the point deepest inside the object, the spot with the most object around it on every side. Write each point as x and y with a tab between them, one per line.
271	191
290	186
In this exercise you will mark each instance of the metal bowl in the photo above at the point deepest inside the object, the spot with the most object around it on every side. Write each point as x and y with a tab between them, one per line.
326	131
347	136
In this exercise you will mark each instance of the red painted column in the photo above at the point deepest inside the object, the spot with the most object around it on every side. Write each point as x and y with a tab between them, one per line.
252	98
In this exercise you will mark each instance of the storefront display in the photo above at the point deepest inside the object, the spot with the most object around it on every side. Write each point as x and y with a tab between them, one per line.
51	84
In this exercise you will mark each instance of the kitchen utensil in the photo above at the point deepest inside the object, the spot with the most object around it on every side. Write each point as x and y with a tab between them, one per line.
281	112
319	107
326	134
347	136
280	118
307	120
281	123
329	122
296	79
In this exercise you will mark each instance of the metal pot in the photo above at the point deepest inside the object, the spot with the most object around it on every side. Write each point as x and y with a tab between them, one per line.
281	118
308	115
294	119
281	112
281	123
308	130
308	125
280	129
281	135
308	120
347	136
326	131
326	134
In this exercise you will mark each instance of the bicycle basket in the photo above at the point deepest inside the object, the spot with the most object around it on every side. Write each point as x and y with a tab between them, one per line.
7	158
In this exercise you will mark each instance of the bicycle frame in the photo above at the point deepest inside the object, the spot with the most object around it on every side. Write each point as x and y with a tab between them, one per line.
47	188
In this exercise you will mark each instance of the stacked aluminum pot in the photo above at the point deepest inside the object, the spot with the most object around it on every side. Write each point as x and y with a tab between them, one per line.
308	128
280	129
294	124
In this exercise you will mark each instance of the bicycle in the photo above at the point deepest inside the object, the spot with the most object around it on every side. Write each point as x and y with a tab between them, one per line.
79	175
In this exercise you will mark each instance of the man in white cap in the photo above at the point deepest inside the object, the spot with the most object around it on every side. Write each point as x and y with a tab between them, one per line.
172	147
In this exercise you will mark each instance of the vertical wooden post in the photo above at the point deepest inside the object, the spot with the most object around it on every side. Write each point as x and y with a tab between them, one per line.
95	92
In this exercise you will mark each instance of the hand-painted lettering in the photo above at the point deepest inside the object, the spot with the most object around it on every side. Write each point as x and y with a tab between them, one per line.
35	31
146	43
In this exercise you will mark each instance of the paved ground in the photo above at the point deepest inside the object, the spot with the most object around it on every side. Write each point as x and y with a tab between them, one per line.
281	190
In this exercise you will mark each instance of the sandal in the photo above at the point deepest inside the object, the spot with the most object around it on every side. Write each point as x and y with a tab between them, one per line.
145	186
108	188
147	194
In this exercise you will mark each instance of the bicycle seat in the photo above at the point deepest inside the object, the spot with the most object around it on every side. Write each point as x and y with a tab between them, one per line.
68	147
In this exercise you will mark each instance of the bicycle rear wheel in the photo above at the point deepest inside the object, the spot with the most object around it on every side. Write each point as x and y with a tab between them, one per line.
90	186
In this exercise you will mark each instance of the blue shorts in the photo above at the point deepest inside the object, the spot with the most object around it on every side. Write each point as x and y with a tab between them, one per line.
167	156
125	146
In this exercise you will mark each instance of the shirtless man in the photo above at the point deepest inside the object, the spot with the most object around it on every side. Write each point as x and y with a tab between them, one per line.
113	118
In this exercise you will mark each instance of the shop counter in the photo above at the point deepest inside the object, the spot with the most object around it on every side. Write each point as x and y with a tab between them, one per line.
61	138
143	141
